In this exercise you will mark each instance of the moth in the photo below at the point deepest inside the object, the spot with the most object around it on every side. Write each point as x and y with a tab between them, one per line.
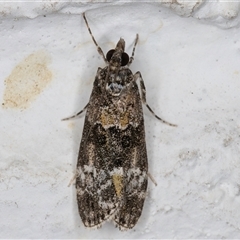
112	167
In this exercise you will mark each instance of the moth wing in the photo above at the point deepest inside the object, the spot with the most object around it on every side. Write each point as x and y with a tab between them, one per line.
96	197
135	165
134	192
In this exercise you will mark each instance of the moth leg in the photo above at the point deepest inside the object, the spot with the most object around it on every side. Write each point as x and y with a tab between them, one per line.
138	75
132	57
152	179
72	180
95	42
64	119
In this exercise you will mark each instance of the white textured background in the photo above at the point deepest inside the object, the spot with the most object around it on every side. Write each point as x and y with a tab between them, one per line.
189	57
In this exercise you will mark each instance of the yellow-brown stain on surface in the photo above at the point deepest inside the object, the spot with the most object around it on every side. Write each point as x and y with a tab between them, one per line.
118	183
27	80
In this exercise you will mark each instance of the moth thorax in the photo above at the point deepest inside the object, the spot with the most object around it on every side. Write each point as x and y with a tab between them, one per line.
115	89
115	85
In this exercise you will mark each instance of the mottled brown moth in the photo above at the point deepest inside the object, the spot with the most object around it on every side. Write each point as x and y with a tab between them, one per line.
112	166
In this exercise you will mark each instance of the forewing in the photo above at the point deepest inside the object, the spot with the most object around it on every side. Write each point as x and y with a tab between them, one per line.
135	184
95	192
96	195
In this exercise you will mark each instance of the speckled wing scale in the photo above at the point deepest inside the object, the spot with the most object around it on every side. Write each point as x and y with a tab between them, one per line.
112	167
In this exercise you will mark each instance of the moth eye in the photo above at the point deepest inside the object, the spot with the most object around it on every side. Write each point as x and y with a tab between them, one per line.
125	59
109	54
126	141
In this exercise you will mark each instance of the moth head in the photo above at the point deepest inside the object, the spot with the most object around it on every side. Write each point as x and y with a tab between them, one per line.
117	57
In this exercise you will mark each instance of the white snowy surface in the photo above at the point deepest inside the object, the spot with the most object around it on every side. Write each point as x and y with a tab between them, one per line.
189	57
